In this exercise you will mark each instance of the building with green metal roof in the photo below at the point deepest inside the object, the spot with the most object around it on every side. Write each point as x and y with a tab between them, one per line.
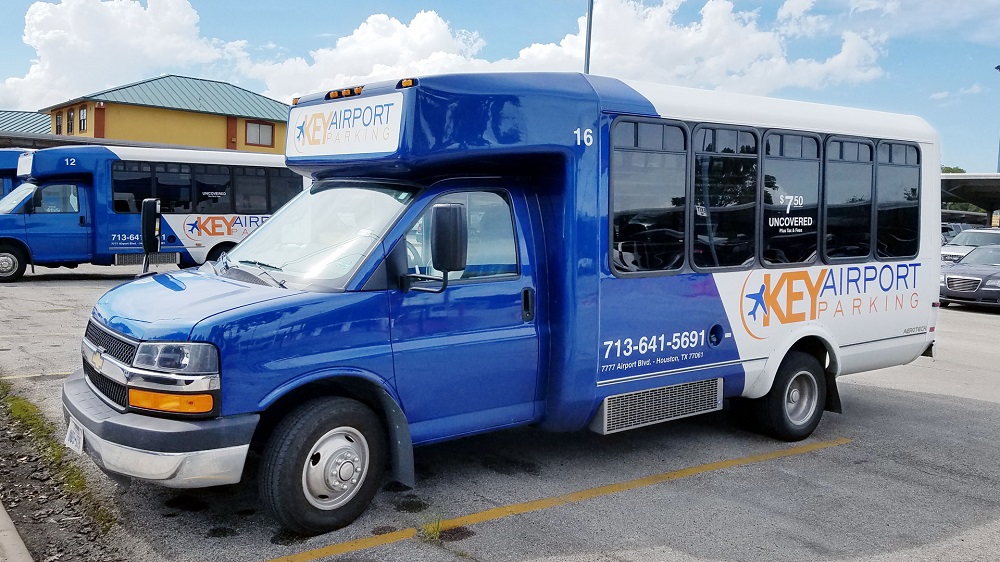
176	110
24	122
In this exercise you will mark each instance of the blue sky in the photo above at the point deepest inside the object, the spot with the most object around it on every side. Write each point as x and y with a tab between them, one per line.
926	57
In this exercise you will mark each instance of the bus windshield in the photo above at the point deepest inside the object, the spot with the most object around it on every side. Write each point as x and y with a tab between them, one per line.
321	236
13	199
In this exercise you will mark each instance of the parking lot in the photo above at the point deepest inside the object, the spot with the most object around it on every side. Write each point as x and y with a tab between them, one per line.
907	472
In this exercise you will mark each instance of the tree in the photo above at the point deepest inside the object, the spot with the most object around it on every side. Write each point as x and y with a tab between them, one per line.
952	170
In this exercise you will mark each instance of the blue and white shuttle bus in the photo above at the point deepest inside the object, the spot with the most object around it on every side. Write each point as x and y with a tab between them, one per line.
484	251
80	204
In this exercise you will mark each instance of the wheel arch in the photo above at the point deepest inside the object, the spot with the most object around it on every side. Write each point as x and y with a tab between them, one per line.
368	390
817	343
19	244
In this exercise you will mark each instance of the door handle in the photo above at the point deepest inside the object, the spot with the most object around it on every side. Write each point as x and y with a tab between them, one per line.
83	221
527	304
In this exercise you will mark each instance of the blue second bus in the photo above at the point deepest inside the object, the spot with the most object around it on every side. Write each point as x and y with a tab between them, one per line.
81	204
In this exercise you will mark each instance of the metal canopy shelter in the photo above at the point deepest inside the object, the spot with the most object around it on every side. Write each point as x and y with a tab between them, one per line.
982	190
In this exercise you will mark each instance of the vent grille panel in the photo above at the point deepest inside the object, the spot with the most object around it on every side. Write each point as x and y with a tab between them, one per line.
646	407
963	284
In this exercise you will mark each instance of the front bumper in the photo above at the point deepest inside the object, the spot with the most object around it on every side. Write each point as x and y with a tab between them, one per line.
171	453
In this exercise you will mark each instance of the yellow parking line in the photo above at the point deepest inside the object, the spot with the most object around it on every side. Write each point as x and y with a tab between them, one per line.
12	377
545	503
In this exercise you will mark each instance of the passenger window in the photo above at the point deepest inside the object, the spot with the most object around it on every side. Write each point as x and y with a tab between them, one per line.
648	178
173	187
897	199
791	196
725	198
492	247
848	199
57	198
131	182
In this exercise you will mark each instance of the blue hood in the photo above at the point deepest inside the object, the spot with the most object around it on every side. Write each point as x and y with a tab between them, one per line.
167	306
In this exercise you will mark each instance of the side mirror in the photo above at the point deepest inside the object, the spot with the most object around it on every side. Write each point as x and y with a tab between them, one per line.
449	237
449	245
150	230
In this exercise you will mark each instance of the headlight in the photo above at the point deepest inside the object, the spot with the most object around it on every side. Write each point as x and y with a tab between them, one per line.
992	284
186	358
942	278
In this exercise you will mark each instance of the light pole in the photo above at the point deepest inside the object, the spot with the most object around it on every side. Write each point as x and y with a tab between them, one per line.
997	68
586	55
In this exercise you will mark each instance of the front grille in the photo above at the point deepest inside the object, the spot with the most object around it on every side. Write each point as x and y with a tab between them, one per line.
963	284
123	351
112	390
646	407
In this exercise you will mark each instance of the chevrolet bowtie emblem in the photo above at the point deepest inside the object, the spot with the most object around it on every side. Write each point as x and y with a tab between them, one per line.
97	360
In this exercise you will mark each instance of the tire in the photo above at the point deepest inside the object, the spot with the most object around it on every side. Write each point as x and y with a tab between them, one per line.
944	304
13	262
794	406
324	443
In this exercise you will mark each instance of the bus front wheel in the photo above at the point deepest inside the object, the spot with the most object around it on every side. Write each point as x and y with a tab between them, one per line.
794	406
12	263
323	465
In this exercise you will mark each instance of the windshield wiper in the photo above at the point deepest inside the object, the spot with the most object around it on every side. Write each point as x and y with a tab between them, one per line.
264	267
261	265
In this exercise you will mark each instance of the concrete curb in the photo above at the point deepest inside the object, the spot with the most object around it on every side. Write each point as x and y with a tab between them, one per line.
12	548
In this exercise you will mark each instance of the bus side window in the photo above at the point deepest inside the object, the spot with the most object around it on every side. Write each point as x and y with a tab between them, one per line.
213	189
131	182
791	198
283	185
848	199
648	178
897	201
173	187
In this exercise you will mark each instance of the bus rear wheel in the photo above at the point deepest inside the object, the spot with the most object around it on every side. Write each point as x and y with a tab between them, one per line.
794	406
323	465
12	263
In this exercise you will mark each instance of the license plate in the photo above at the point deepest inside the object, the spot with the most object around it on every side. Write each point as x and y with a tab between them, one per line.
74	436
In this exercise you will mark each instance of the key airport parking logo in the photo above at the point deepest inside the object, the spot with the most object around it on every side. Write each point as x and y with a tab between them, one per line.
772	298
350	126
197	227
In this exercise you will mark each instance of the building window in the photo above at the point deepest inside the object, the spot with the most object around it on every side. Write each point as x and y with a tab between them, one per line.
83	119
260	134
69	121
59	123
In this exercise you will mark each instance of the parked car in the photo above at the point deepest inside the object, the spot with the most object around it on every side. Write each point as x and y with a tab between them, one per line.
974	279
965	241
951	229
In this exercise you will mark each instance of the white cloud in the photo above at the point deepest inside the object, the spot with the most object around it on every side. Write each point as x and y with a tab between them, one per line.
887	7
970	91
794	19
725	49
83	46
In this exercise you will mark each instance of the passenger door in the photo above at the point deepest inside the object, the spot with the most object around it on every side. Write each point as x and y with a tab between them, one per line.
60	229
466	360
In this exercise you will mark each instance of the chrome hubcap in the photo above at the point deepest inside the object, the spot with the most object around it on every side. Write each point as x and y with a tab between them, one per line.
7	264
335	468
801	397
